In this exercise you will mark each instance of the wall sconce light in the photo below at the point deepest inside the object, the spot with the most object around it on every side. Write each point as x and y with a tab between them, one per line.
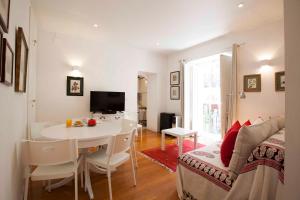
265	62
265	65
242	95
75	72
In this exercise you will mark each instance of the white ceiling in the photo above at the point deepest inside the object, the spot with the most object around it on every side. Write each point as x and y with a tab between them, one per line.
175	24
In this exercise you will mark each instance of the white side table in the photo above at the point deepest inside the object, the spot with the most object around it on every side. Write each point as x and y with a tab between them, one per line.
180	133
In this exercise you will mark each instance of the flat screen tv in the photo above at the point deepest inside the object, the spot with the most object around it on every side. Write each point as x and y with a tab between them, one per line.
107	102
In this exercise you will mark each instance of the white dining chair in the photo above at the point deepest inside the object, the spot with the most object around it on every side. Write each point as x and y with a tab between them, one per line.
52	160
115	155
36	128
35	134
128	125
133	116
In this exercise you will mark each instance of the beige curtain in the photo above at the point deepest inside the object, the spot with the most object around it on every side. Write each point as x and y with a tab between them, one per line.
228	71
182	63
232	96
225	81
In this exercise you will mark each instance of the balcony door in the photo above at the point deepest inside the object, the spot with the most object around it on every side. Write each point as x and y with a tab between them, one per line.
205	102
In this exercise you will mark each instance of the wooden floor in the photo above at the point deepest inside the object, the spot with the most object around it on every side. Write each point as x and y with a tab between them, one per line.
153	181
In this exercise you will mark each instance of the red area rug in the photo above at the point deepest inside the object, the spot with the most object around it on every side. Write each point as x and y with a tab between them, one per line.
168	158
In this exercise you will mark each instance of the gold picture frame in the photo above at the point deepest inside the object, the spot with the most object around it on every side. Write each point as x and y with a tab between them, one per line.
280	81
175	92
252	83
175	78
21	60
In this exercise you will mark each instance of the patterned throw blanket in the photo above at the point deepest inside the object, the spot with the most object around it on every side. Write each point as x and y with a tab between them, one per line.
270	153
214	177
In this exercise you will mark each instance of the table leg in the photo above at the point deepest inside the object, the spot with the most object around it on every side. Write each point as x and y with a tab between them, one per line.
180	146
163	141
141	132
195	140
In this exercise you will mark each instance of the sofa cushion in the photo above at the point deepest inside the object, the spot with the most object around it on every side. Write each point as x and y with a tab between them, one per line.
247	139
259	120
236	125
229	142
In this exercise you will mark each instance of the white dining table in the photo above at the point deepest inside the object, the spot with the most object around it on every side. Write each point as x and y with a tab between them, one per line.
86	137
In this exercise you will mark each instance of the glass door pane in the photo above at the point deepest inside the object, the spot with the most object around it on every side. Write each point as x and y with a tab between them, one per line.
205	98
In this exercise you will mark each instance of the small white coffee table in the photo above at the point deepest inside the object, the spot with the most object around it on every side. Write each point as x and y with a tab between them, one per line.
180	133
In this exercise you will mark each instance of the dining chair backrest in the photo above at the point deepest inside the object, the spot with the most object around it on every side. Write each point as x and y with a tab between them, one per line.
131	116
49	152
128	125
120	143
37	127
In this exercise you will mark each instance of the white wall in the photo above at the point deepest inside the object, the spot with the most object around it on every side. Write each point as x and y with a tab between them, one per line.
292	47
13	115
258	42
105	66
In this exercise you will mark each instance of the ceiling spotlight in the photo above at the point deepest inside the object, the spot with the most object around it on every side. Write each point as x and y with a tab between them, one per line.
157	44
95	25
240	5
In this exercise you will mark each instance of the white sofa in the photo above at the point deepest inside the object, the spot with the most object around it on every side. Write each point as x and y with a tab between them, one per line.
202	175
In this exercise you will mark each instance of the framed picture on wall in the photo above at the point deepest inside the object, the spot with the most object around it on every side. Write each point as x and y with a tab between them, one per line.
4	14
21	60
175	93
252	83
7	63
175	78
280	81
74	86
1	67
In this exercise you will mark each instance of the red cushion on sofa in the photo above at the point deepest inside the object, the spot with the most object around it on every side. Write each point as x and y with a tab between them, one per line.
228	143
236	125
247	123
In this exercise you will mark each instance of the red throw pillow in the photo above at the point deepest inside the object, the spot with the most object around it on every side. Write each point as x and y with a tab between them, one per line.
229	142
247	123
236	125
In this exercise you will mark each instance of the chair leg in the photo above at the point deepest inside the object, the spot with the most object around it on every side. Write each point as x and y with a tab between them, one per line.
49	185
81	174
135	157
109	184
85	175
76	185
26	188
133	168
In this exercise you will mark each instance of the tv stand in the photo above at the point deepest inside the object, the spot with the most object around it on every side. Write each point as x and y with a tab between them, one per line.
108	112
107	116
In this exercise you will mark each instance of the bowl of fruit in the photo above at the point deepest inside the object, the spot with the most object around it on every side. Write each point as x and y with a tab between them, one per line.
78	123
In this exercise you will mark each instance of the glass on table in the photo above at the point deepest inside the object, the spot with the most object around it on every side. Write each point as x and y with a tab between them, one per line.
68	123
